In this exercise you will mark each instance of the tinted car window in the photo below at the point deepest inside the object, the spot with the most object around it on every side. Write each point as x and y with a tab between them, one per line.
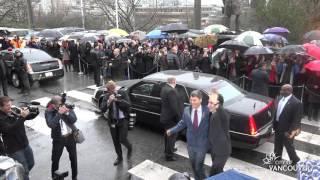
182	93
227	90
37	55
6	56
143	89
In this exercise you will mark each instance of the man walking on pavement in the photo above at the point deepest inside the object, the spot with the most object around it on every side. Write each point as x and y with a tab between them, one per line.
287	123
196	119
170	115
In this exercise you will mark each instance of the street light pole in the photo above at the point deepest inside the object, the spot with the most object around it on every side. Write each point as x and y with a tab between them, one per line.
117	16
82	14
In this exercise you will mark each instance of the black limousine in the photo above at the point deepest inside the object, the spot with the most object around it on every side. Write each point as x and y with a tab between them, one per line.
251	114
40	66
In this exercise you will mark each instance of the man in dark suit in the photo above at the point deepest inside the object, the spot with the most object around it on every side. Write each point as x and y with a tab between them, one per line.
287	123
116	103
260	80
196	119
219	137
170	115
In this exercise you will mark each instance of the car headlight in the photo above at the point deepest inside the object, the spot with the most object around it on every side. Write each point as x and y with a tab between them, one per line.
60	64
95	93
29	69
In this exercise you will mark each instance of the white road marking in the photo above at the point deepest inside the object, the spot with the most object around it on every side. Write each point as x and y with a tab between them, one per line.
309	138
80	95
149	170
311	123
93	87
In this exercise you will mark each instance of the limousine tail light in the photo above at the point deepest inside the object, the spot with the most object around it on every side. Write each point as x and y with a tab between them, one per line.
29	68
252	125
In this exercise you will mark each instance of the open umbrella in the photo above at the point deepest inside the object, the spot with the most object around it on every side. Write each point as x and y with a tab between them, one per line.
215	29
4	32
312	50
313	66
234	44
251	38
277	30
117	31
125	40
206	40
312	35
157	34
292	49
188	35
138	34
274	38
257	50
175	28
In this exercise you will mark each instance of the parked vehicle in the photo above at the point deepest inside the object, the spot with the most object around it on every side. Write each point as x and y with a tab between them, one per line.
40	66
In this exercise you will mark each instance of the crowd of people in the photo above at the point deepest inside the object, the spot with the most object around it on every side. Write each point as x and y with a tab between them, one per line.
136	59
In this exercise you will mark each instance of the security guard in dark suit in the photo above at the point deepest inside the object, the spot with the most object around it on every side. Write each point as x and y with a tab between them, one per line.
20	66
3	76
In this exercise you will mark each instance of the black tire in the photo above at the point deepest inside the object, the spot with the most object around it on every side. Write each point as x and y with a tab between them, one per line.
15	80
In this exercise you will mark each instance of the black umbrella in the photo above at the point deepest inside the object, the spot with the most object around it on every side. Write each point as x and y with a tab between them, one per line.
175	28
4	32
312	35
234	44
292	49
257	50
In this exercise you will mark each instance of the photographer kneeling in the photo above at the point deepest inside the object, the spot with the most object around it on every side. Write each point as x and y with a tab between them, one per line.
116	103
14	135
61	120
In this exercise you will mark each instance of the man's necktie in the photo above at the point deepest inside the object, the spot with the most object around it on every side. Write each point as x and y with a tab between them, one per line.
195	119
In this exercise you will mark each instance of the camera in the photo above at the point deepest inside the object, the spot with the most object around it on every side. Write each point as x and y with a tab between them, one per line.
64	99
31	106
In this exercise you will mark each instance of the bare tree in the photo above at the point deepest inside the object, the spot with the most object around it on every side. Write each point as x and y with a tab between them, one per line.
126	13
13	11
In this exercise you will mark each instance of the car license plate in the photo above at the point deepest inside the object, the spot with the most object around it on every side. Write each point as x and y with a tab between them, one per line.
49	74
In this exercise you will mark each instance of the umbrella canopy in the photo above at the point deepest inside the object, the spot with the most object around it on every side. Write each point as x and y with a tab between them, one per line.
274	38
251	38
215	29
292	49
234	44
206	40
138	35
125	40
117	31
188	35
277	30
175	28
157	34
196	31
257	50
313	66
312	50
312	35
